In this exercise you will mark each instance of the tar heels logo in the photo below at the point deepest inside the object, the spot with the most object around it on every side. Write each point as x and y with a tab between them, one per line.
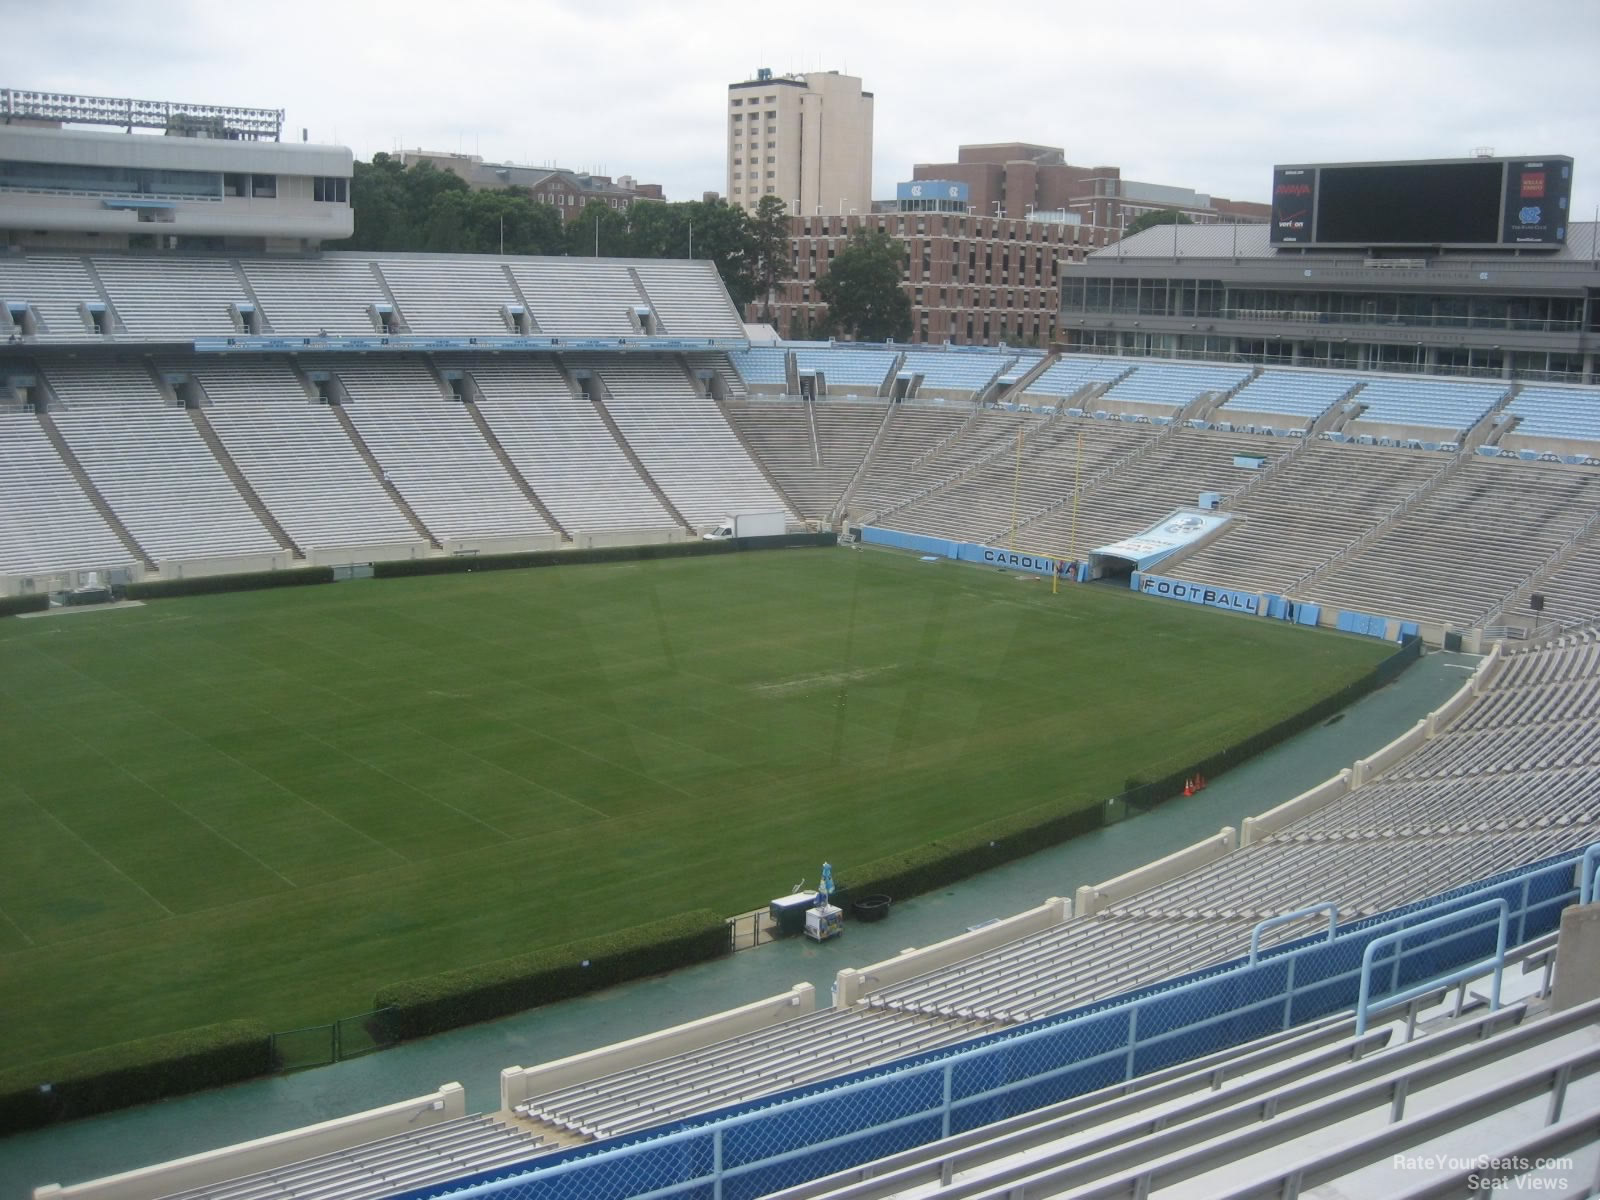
1184	525
1531	215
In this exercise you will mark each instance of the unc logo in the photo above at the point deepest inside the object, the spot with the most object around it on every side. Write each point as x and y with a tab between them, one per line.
1183	525
1530	215
916	189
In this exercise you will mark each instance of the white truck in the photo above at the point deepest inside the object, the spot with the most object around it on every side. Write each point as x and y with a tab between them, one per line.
761	524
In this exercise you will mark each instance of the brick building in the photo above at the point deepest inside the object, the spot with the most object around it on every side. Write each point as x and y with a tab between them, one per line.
1014	179
972	279
568	191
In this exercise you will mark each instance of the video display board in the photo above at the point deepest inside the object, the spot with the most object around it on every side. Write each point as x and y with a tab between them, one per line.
1457	202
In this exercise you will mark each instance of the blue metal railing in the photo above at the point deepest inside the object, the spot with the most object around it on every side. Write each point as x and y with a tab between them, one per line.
1496	962
1289	918
782	1140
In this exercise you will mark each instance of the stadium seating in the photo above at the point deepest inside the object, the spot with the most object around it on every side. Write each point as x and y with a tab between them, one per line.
172	299
120	386
234	380
762	366
334	294
1568	414
571	297
955	373
1462	548
682	439
1160	386
431	451
848	368
1069	375
47	524
1300	396
161	480
1392	406
55	288
813	450
453	296
689	300
563	449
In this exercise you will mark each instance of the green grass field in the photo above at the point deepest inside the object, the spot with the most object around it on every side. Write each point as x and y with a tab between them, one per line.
271	804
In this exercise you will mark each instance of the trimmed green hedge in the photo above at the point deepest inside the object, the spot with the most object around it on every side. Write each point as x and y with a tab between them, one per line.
597	554
97	1081
10	606
434	1003
250	581
934	864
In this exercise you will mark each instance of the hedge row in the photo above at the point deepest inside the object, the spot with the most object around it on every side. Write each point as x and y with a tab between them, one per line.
936	864
944	861
10	606
250	581
434	1003
97	1081
596	554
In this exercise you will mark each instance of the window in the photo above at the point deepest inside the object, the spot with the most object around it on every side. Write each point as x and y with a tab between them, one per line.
738	162
738	191
770	188
772	145
735	103
738	174
264	187
738	116
772	158
771	175
330	189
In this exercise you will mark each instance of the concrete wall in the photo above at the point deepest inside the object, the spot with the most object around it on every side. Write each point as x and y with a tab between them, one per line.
1577	957
1404	746
229	1162
519	1083
233	564
341	556
853	983
1253	829
1091	899
502	545
584	540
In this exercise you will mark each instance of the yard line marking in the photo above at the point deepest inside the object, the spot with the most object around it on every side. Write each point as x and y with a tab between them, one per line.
18	928
83	841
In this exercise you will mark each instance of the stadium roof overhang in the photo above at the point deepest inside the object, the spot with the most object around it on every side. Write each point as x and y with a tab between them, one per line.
414	343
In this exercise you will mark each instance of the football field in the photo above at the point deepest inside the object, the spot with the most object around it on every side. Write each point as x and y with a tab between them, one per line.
271	804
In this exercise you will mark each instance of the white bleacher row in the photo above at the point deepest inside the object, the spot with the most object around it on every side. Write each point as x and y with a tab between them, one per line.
1071	374
175	299
1174	386
795	1052
690	299
569	296
718	364
762	365
780	433
562	447
248	380
1557	413
466	295
304	468
430	450
164	484
1293	393
47	524
911	456
332	294
682	439
848	367
121	384
1467	545
957	372
57	289
1385	1113
433	1154
1201	917
1441	405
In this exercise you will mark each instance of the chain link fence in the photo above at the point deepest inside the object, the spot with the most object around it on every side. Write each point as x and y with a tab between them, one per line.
320	1045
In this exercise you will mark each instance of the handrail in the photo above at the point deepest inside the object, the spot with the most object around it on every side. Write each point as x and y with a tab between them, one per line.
1589	882
1273	922
1364	1006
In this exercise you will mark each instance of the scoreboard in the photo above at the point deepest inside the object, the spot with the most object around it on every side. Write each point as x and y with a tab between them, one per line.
1465	202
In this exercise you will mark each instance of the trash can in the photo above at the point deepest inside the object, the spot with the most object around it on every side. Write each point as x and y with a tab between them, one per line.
871	908
788	913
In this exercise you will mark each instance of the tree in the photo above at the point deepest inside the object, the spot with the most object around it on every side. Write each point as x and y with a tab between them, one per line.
1162	216
771	250
862	288
598	224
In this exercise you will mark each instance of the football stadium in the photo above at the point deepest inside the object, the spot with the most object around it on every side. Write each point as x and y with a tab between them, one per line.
284	785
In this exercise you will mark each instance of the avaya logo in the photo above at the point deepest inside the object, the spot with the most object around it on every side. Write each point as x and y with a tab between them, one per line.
1292	189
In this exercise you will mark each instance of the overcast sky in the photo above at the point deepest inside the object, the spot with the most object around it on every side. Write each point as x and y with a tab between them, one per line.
1205	95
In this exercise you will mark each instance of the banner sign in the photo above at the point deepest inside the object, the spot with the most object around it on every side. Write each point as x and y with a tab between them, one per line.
1181	529
258	343
1197	593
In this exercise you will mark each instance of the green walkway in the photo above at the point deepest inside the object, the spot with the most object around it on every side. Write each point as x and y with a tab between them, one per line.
474	1057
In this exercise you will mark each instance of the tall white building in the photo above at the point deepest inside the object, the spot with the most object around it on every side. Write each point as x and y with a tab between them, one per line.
806	139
